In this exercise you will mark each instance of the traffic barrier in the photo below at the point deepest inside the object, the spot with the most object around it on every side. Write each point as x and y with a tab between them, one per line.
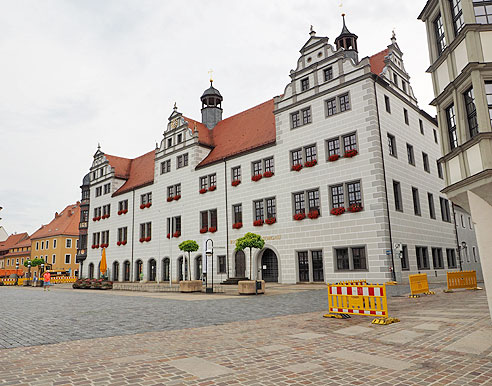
461	279
8	281
63	279
353	282
358	299
419	285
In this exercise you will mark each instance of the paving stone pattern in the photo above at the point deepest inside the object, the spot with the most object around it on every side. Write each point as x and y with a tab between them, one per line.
301	348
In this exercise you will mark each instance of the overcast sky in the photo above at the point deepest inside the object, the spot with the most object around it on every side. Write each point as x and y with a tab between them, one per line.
75	73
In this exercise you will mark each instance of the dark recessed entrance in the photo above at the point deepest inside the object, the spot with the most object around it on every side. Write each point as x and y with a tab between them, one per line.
269	266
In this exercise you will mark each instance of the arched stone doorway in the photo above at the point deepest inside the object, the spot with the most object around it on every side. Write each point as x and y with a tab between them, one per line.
152	269
198	268
165	269
138	269
269	266
116	271
240	264
91	271
126	271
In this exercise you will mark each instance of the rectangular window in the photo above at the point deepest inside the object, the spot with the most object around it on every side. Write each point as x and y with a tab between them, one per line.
451	121
457	13
425	161
122	234
96	238
395	79
445	214
331	106
182	161
451	257
42	245
47	244
53	259
146	198
145	230
317	259
105	237
411	158
299	203
343	100
471	112
295	119
177	224
107	188
212	180
439	34
313	200
437	260
435	136
236	173
462	222
421	125
166	166
180	138
387	104
257	169
432	210
204	219
54	243
271	208
106	210
392	145
342	259
416	201
213	218
488	93
359	258
296	157
67	259
305	84
337	196
170	191
354	195
422	258
306	116
405	116
439	170
237	211
328	72
259	212
169	142
333	147
349	142
469	223
123	205
303	264
221	263
405	266
310	153
403	86
68	243
203	183
397	196
98	191
269	165
483	11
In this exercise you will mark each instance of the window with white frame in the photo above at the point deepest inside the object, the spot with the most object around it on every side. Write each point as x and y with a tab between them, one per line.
68	243
182	161
166	166
146	198
107	188
67	258
122	234
236	173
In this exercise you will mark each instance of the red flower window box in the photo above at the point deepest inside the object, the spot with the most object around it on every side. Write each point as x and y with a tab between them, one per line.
351	153
235	182
96	246
118	243
204	230
267	174
93	246
119	212
123	242
310	164
168	236
169	199
355	208
333	157
338	211
203	191
258	223
177	197
142	206
142	239
147	239
176	234
296	167
270	221
94	218
313	214
148	205
256	177
212	188
299	216
125	211
237	225
212	229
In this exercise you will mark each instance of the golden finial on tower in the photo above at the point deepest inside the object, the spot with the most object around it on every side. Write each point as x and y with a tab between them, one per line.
210	72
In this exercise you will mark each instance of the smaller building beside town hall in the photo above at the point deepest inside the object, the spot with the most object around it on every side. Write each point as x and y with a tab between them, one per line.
339	175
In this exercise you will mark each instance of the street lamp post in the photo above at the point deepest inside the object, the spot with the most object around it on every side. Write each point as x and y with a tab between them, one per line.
209	252
29	273
17	274
42	271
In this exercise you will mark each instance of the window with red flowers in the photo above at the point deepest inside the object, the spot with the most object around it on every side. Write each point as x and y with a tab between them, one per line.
145	231
97	213
349	142
208	219
146	199
259	213
256	167
299	204
208	182
333	146
104	239
122	235
296	158
237	212
96	237
123	207
106	211
236	174
310	154
313	202
269	165
173	192
337	196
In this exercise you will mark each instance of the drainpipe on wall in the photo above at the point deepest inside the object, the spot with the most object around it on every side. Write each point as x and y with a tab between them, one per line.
393	273
133	234
227	218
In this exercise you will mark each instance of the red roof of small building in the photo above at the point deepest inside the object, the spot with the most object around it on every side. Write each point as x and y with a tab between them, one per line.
65	223
12	240
140	171
377	61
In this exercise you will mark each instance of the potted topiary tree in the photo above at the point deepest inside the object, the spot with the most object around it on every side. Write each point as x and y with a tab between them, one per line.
250	240
189	285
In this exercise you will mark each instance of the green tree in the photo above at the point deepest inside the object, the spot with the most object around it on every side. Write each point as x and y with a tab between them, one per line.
189	246
250	240
34	262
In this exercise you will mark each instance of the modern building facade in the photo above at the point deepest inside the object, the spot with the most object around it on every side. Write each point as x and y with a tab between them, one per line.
459	34
337	174
57	241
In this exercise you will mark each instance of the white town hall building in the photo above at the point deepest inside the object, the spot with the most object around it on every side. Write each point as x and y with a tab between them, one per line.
339	175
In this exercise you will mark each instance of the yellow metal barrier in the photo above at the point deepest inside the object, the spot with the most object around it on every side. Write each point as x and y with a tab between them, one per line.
358	299
463	279
9	281
63	279
419	285
353	282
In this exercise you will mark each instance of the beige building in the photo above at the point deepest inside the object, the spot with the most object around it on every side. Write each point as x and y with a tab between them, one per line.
459	34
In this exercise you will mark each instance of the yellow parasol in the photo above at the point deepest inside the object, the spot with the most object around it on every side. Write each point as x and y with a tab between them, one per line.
103	265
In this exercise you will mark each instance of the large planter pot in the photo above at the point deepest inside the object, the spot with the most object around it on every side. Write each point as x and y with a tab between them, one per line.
248	287
190	286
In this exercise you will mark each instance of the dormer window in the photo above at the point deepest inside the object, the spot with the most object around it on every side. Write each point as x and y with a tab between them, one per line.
305	84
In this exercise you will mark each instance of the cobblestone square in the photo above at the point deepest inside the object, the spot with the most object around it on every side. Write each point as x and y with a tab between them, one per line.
81	338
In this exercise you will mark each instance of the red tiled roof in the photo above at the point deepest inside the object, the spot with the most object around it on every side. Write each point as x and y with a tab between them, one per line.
242	132
12	240
65	223
140	172
121	165
377	62
205	136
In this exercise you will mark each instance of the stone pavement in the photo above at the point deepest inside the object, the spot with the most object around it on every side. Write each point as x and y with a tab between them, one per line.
445	339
